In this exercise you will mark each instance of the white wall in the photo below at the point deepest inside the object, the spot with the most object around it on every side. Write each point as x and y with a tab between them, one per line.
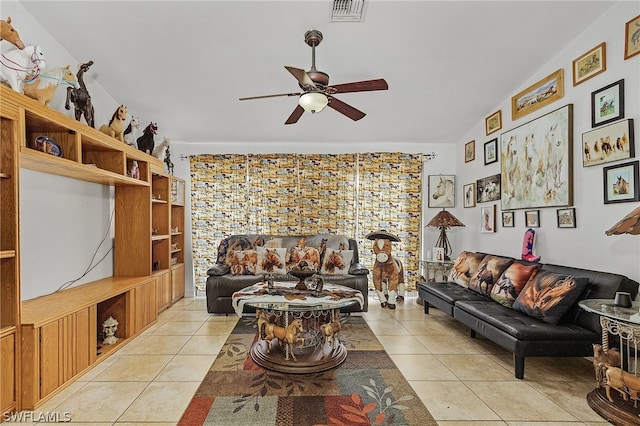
62	221
441	163
585	246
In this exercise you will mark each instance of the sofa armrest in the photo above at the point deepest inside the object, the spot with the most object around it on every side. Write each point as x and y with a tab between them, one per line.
218	269
358	269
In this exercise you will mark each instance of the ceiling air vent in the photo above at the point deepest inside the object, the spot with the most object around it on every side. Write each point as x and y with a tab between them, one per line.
348	11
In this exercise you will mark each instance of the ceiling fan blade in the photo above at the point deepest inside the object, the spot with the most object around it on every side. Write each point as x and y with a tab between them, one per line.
295	115
270	96
302	76
361	86
345	109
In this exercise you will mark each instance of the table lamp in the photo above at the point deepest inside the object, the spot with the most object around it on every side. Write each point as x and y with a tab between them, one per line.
630	224
443	221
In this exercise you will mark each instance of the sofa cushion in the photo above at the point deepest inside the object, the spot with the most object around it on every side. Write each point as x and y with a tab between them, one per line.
336	262
271	261
465	265
303	258
489	270
511	282
548	296
242	262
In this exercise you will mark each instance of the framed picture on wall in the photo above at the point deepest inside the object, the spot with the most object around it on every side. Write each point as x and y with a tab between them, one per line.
488	218
491	151
508	220
590	64
469	195
566	218
493	123
442	191
608	143
488	189
607	104
532	218
539	94
621	183
469	151
631	42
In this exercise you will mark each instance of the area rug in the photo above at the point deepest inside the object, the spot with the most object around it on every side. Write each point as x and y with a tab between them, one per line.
366	389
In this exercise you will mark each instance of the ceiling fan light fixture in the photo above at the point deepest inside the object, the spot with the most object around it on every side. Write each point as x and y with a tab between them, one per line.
313	101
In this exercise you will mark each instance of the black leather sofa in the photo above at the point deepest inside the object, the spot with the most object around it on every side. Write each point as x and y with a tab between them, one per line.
221	283
524	335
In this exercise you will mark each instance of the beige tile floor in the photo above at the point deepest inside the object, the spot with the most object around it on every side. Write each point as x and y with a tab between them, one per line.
462	381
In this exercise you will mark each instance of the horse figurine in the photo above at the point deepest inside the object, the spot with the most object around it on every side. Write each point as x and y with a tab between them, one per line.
130	132
146	142
115	128
81	98
43	87
158	151
7	32
287	336
167	160
18	66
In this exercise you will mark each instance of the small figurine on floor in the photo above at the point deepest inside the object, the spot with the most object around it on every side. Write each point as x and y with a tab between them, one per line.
388	274
527	246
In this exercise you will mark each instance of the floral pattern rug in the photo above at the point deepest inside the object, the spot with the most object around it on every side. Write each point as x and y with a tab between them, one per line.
367	389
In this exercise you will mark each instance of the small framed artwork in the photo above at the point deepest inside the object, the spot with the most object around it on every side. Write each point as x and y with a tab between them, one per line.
607	104
608	143
488	218
621	183
442	191
469	151
469	194
438	254
632	38
532	218
539	94
488	189
566	217
491	151
493	123
590	64
508	220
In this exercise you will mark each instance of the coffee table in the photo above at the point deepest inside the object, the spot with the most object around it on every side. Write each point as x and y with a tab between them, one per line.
307	325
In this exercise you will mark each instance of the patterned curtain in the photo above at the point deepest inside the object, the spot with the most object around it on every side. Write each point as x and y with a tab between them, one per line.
390	199
297	194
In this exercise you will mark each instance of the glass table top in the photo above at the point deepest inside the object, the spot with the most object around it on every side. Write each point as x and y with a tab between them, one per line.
607	308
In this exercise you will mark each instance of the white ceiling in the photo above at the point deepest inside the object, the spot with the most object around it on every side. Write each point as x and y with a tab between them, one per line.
184	64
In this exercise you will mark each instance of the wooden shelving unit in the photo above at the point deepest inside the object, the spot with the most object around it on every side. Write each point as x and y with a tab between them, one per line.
177	238
46	342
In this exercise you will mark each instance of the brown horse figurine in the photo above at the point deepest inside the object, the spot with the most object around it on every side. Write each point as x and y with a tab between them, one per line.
80	97
288	335
116	126
7	32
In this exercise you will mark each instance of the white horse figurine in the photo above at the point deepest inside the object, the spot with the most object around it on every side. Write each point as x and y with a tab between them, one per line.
18	66
43	87
159	150
130	132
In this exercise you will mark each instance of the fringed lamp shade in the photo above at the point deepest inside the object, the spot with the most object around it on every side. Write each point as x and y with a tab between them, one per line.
443	221
630	224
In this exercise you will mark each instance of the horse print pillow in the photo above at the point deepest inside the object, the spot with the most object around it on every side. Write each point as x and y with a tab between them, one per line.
511	283
488	273
336	262
548	296
271	261
242	262
464	267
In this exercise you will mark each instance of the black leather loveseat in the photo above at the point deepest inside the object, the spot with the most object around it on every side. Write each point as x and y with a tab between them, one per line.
224	278
523	330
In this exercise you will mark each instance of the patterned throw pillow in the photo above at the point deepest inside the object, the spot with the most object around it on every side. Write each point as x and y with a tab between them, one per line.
304	258
271	261
243	262
511	283
336	262
548	296
488	273
464	267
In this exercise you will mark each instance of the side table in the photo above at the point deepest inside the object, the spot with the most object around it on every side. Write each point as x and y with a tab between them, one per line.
434	271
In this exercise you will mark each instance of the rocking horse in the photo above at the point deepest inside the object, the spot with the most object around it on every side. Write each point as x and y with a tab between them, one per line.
7	32
18	66
146	142
115	128
44	87
81	98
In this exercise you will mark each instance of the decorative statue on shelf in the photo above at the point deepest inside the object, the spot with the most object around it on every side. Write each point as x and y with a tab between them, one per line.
159	150
43	87
388	272
130	132
81	98
167	160
7	32
109	328
19	66
146	142
115	128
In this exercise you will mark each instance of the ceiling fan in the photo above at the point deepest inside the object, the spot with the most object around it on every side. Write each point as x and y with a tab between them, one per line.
316	92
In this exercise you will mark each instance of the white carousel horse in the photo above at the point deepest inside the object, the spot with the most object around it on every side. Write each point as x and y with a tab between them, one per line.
159	150
18	66
43	87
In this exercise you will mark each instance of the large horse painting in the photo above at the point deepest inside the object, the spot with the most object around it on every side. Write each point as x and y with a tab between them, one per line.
537	162
442	191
